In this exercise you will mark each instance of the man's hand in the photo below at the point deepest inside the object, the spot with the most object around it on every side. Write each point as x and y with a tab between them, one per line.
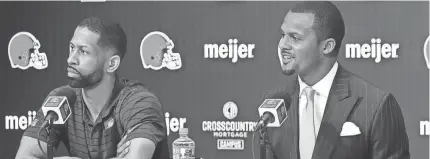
138	148
122	148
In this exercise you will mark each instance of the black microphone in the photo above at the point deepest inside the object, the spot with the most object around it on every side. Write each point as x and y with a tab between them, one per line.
56	108
273	110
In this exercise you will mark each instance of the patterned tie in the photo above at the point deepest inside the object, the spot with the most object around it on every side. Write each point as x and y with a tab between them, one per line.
307	130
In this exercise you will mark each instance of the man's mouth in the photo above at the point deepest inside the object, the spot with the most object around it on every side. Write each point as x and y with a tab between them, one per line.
287	57
71	70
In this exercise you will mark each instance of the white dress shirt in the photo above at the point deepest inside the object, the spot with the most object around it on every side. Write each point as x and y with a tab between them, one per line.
322	90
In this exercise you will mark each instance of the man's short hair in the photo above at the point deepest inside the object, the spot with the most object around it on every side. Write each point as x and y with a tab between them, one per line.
328	21
111	34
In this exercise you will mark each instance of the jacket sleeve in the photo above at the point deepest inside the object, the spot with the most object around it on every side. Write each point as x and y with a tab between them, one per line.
388	134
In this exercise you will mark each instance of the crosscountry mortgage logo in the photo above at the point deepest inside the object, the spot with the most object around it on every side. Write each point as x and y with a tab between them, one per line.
230	144
23	51
230	110
230	133
156	52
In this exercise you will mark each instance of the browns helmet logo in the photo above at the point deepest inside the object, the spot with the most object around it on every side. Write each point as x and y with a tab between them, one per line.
156	52
427	51
23	50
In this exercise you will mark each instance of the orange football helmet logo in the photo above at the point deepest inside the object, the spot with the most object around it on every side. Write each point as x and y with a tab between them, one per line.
23	51
427	51
156	52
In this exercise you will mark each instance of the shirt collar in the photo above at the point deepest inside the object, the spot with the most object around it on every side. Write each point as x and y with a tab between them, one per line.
118	86
323	86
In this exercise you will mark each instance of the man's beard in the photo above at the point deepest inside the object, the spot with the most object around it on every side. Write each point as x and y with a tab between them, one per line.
86	81
288	70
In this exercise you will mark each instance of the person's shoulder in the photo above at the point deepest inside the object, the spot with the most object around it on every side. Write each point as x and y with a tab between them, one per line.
135	96
288	88
364	88
275	92
134	89
63	87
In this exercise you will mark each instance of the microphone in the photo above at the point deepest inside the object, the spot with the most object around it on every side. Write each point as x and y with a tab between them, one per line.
56	109
273	111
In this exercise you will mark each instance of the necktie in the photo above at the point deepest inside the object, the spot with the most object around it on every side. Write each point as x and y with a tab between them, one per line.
307	135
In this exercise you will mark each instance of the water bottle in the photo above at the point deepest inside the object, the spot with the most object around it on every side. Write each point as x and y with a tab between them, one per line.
183	147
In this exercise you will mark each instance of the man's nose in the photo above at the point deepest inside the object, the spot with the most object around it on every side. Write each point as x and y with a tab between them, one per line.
71	60
283	44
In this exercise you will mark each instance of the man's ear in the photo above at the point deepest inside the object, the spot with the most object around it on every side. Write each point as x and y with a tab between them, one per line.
113	63
327	46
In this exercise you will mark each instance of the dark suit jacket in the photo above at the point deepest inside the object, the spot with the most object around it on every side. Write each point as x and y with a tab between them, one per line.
374	111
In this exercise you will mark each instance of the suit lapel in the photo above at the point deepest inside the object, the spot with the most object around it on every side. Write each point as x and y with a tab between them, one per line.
339	105
294	126
286	137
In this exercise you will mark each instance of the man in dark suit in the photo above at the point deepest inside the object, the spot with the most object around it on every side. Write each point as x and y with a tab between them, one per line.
334	113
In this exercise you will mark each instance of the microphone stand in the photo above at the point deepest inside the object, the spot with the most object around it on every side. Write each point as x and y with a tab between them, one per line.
50	135
265	146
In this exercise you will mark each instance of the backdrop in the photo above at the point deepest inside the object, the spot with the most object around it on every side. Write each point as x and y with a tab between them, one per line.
198	91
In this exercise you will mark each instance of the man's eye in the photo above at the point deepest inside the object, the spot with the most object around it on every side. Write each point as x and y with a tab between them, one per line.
82	52
296	38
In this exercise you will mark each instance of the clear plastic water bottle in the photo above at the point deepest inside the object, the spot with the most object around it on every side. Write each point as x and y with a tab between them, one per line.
183	147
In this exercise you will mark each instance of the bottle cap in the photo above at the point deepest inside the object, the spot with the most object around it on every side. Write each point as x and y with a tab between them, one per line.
183	131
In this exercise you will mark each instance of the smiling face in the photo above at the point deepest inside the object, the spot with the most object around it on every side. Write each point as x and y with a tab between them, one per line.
299	47
86	59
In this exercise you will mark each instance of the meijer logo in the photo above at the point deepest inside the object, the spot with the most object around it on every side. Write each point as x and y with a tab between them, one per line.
233	50
375	50
173	124
14	122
